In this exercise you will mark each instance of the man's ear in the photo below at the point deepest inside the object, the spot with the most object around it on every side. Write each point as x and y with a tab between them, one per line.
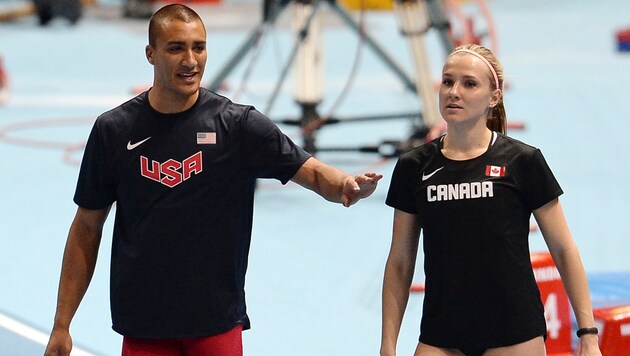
148	50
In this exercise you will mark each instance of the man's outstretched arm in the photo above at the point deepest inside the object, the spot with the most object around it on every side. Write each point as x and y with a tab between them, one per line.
335	185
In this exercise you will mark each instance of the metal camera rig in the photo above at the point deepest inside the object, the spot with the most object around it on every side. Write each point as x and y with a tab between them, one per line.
415	18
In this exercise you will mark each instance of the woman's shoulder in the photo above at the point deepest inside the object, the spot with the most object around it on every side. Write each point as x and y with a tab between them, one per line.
516	145
423	150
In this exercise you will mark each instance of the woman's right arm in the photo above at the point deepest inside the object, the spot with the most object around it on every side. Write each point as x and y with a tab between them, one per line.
399	271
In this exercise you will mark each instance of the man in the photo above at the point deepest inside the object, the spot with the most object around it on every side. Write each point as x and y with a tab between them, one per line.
181	164
47	10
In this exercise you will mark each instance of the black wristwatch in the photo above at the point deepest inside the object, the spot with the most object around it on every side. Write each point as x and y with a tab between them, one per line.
584	331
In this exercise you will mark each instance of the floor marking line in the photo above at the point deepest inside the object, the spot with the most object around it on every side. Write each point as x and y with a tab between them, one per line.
33	334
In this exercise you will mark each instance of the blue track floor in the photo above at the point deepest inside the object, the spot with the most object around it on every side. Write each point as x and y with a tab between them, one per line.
315	272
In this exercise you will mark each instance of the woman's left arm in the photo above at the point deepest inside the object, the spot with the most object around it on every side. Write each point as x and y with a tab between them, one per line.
553	225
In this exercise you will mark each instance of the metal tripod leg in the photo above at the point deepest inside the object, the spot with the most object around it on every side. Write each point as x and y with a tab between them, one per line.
285	70
309	110
414	21
270	16
439	21
373	45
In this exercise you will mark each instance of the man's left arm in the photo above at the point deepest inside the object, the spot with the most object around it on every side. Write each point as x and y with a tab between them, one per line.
335	185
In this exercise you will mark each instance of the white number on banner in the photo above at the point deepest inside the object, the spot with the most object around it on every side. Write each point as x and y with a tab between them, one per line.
551	316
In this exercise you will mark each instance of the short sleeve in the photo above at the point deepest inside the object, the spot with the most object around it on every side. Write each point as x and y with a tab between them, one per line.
95	187
540	185
401	194
269	152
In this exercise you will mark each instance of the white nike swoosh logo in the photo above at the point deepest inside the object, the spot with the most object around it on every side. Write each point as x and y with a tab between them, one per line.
131	146
425	177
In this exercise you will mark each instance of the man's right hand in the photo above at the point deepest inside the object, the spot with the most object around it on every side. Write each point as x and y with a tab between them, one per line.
59	344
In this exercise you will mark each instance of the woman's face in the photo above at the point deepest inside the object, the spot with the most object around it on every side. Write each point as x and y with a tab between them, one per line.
466	92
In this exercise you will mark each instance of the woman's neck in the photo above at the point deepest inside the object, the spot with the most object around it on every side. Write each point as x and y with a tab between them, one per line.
465	144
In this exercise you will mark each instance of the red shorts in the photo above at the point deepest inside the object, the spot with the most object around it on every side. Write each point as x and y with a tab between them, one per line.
229	343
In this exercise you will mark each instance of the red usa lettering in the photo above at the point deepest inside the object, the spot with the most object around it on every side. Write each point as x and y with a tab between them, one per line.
171	172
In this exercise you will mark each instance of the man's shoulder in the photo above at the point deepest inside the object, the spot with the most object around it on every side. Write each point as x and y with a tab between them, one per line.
125	110
220	103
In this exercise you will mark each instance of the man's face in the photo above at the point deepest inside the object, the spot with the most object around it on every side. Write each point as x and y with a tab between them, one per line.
179	59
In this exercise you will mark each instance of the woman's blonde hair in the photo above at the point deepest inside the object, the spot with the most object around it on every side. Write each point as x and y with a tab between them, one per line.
496	120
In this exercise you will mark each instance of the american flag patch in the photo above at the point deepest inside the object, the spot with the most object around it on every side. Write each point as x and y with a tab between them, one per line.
206	138
495	171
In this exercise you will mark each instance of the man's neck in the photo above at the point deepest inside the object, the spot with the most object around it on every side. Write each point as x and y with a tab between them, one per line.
169	103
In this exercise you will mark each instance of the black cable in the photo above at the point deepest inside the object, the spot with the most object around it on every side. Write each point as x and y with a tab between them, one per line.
301	36
270	10
355	66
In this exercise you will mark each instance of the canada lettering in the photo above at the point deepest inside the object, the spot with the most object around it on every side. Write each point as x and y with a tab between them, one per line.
473	190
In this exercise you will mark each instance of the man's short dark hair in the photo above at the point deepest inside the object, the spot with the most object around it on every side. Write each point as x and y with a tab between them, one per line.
167	13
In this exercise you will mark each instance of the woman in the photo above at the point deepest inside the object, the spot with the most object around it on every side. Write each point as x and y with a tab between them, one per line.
471	192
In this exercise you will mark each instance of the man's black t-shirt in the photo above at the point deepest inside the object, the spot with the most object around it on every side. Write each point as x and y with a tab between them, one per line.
183	185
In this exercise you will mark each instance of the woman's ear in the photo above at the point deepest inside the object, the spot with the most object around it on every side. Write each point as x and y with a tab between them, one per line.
495	99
